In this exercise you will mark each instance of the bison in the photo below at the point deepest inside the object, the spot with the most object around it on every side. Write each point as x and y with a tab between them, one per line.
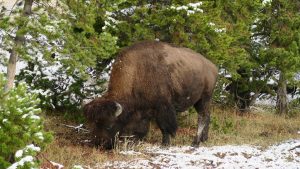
152	80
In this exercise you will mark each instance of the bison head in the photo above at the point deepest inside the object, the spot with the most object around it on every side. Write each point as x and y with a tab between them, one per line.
102	117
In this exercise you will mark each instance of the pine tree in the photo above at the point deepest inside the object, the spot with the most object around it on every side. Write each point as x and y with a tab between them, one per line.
239	63
21	128
279	26
61	44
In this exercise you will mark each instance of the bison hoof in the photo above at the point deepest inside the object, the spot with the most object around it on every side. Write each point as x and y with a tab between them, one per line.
203	138
195	144
164	146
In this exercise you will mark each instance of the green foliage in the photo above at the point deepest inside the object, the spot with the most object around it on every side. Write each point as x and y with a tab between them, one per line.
21	127
63	47
241	73
223	126
294	108
280	27
249	41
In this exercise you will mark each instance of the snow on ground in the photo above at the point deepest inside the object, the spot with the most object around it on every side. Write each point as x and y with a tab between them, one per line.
279	156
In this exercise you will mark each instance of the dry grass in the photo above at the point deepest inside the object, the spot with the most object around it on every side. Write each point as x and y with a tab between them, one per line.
69	147
227	127
260	128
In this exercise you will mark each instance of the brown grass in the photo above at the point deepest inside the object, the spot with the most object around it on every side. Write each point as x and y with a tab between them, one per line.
227	127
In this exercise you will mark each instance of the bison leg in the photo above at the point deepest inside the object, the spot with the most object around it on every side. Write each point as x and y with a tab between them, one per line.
166	121
141	129
202	108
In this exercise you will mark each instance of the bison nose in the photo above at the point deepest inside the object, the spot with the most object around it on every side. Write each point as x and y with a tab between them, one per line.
108	146
104	143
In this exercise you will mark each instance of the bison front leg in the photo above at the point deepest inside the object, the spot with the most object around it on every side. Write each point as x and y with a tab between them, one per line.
166	121
202	108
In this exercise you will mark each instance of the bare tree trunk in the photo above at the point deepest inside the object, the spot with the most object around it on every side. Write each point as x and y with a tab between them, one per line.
282	101
19	39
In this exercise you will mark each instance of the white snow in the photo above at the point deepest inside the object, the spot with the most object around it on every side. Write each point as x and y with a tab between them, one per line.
195	5
27	159
220	30
39	135
31	147
7	3
266	1
19	154
77	167
191	8
35	117
283	155
31	116
130	152
58	166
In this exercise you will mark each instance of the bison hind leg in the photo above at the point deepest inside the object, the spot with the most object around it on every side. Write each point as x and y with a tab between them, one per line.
166	121
202	108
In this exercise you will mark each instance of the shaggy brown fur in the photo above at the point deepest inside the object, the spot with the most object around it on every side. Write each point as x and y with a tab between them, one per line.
153	80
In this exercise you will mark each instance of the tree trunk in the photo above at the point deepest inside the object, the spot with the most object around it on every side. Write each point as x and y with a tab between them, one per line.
13	58
282	101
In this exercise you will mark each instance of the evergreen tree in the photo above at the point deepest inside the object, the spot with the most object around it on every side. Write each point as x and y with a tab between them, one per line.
240	63
279	27
21	129
61	44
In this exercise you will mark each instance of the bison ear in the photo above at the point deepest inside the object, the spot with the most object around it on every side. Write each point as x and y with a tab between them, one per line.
119	110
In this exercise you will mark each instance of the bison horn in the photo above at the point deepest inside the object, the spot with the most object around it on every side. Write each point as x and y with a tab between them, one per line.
119	109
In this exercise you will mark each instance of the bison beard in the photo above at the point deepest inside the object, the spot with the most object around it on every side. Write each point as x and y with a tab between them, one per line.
153	80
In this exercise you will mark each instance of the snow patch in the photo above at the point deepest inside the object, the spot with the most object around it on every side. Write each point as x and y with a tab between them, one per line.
77	167
39	135
19	154
58	166
31	147
190	8
130	152
284	155
35	117
27	159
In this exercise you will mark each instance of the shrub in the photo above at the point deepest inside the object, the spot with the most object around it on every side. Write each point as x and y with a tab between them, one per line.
21	128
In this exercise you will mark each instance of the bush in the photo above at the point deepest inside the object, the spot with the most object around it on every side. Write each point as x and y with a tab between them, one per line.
21	129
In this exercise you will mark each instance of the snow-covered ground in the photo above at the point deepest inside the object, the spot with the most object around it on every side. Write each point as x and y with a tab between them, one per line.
285	155
8	3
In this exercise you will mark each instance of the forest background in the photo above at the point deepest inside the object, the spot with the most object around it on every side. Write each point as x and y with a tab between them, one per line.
62	51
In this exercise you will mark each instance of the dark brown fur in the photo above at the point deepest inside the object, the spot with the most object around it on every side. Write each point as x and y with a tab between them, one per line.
153	80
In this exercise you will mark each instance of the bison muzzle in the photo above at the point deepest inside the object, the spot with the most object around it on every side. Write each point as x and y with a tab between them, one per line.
152	80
